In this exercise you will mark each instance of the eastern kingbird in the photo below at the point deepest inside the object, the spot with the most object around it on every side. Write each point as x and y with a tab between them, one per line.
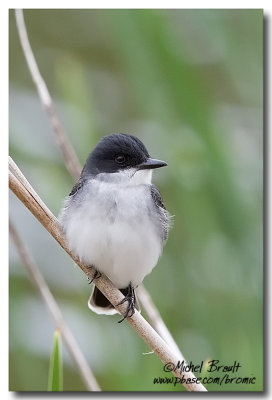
114	218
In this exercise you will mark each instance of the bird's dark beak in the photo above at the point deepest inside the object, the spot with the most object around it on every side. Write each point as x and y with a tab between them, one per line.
151	163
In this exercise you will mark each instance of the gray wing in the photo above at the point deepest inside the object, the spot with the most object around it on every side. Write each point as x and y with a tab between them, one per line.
163	213
155	193
69	202
77	187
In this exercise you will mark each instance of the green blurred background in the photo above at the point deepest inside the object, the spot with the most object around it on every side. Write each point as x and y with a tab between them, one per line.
189	84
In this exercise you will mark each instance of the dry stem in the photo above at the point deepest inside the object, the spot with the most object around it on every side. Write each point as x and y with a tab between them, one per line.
68	152
55	311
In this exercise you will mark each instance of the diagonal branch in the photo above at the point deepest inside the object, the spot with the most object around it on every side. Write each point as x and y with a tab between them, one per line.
157	321
55	311
68	152
141	326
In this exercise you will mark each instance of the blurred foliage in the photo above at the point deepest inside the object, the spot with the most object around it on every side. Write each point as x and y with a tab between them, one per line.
189	84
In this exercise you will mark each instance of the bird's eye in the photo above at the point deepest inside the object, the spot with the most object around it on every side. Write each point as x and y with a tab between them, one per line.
120	159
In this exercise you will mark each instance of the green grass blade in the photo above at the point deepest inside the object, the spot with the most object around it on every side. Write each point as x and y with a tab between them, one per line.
55	380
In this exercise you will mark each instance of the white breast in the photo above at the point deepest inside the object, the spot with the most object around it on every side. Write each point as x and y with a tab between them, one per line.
111	227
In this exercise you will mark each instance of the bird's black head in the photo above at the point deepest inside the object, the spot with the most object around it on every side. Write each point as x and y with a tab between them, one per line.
117	152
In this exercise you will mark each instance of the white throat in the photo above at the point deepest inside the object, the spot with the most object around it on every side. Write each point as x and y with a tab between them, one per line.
128	177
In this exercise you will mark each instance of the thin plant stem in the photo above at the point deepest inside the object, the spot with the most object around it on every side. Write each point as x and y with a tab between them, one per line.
68	338
157	321
64	144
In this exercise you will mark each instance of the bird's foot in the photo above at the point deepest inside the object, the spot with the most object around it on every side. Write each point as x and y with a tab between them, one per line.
97	275
130	299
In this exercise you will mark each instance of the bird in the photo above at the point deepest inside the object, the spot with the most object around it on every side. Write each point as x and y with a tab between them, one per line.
114	218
